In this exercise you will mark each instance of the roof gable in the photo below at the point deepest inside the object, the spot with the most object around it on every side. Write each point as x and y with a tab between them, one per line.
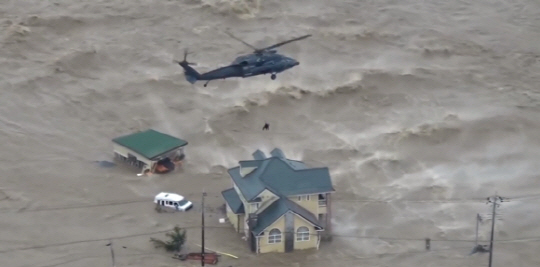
150	143
271	214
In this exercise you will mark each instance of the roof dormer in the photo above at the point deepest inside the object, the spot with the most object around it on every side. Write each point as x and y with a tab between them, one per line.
248	166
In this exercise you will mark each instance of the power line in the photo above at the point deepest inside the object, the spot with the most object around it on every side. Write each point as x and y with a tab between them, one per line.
91	257
83	241
531	239
355	259
140	200
67	207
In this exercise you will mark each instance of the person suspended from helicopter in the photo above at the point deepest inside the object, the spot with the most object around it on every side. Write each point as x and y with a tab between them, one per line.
261	61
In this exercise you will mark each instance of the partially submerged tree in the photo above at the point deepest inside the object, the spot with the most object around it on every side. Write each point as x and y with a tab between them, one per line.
176	239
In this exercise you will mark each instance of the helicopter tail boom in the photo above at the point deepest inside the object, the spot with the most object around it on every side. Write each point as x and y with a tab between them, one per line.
191	74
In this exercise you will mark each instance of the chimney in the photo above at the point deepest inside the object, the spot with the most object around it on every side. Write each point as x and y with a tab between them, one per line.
258	155
278	153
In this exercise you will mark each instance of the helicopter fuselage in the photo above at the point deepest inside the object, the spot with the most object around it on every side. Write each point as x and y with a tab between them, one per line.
265	63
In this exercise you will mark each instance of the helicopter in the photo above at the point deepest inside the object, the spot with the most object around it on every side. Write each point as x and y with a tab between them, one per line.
261	61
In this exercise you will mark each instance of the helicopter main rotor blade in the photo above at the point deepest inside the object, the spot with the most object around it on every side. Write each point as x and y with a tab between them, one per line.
240	40
283	43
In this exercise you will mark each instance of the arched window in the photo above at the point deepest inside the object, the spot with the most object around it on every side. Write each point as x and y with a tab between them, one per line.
302	234
274	236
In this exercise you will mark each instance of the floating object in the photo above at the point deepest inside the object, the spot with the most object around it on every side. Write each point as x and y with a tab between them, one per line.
105	164
218	252
221	220
209	258
173	201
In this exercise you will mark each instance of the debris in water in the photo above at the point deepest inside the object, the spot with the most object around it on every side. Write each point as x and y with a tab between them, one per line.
105	164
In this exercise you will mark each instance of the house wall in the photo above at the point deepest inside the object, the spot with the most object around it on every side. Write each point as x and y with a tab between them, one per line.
322	209
265	247
172	154
243	226
233	218
241	220
124	152
313	234
312	204
266	195
243	223
267	198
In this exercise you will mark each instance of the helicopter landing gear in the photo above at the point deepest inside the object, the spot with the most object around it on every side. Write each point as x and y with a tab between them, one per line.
273	77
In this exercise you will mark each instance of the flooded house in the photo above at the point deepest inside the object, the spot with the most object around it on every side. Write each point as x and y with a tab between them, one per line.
279	204
150	151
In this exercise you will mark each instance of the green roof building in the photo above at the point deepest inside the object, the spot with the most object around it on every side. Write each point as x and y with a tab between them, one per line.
281	205
150	150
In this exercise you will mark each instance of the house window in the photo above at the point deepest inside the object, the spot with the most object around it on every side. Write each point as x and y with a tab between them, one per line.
255	206
274	236
322	200
302	234
303	198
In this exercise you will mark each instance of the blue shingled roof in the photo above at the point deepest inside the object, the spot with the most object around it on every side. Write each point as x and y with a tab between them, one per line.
281	176
281	206
233	200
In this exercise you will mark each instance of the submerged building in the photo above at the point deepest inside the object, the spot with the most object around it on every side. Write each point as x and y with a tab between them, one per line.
280	205
150	151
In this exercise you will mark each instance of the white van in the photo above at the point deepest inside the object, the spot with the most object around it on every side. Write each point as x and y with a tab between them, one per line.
173	201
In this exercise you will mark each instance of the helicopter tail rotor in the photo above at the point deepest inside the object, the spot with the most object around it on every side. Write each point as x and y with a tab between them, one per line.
191	74
184	61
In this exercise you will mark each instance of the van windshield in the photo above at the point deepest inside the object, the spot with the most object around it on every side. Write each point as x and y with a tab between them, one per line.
182	202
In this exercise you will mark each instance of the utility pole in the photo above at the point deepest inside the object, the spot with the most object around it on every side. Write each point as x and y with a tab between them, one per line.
202	231
478	220
494	201
110	245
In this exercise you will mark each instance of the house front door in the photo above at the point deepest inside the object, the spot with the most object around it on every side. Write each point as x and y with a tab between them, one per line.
289	232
